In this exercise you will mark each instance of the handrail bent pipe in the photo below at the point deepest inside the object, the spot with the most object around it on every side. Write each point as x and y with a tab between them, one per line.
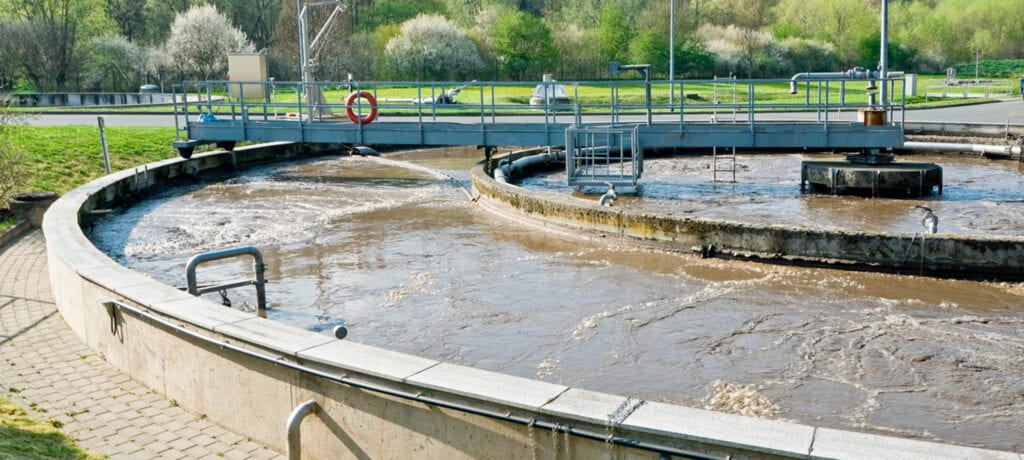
292	428
257	268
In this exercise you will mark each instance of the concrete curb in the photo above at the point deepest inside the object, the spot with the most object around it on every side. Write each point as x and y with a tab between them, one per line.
13	232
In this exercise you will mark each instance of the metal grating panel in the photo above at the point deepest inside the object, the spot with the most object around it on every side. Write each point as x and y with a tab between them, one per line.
601	156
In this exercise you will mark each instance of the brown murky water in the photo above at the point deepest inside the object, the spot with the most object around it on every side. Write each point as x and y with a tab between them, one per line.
980	197
413	265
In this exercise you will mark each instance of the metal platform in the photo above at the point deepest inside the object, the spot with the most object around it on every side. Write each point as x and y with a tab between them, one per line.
824	120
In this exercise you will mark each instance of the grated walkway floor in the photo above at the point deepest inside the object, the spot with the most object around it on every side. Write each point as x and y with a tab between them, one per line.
47	370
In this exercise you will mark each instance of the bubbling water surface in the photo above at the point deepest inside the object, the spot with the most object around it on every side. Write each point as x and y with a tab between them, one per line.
413	265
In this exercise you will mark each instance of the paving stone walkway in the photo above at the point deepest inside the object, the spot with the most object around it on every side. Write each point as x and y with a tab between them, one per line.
48	370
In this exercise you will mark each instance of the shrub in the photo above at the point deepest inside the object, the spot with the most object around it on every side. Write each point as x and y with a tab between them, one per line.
200	40
12	166
433	48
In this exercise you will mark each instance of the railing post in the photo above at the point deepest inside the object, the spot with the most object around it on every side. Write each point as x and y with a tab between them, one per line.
292	428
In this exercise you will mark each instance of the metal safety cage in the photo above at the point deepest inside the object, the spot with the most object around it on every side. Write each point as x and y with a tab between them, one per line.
596	156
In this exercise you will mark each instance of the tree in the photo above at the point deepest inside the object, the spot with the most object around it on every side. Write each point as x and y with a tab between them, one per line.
651	47
900	57
522	44
957	24
844	23
130	16
200	40
613	34
693	59
47	35
159	16
117	64
587	13
256	18
805	55
434	49
746	14
385	12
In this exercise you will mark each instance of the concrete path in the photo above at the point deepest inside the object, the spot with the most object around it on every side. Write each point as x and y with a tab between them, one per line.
48	371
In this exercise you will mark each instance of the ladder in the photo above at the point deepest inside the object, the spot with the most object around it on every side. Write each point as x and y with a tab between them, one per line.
729	160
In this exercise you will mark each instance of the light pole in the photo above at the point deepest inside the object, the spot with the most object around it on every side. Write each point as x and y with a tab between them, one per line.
884	60
671	52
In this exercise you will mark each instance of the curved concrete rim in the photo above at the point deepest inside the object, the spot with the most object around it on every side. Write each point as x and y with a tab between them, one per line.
946	255
255	399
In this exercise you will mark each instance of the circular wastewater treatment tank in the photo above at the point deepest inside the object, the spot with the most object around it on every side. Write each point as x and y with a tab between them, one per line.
409	262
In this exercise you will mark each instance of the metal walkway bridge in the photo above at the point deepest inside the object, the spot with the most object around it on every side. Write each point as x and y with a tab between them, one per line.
705	113
604	127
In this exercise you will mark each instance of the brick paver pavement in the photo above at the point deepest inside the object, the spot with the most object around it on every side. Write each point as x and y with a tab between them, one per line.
48	370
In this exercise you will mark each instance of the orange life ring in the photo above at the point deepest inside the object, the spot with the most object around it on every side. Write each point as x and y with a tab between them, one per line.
360	119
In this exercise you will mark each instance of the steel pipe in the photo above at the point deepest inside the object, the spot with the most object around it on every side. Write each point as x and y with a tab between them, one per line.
292	428
257	267
953	147
857	73
505	168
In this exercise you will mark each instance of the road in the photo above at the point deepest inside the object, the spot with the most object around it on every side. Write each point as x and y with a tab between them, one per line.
1006	111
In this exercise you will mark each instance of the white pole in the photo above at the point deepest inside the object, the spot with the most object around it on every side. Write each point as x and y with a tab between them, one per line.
671	52
103	143
884	64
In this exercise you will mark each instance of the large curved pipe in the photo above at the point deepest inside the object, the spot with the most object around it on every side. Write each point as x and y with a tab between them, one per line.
504	170
858	73
952	147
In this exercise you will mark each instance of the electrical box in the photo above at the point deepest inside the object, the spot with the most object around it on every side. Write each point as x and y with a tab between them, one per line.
911	81
247	73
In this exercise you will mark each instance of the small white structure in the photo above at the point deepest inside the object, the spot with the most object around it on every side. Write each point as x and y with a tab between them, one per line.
549	93
250	68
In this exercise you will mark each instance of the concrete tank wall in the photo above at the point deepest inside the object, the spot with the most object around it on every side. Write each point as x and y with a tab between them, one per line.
247	373
945	254
84	99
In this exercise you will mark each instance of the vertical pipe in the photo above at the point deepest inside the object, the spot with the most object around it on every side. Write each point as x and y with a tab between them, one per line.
647	93
103	143
671	52
304	56
292	428
884	63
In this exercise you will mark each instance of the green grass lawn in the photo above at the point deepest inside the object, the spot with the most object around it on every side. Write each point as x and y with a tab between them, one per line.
23	437
60	158
6	222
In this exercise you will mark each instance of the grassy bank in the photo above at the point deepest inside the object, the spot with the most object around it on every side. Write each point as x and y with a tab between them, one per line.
60	158
6	221
24	437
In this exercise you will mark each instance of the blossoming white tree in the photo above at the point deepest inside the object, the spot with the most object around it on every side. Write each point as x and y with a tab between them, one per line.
431	47
200	40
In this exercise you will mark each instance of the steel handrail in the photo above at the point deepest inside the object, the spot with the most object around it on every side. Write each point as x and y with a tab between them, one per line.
258	279
607	436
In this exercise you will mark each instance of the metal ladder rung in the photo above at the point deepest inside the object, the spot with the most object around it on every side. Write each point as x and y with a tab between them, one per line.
714	165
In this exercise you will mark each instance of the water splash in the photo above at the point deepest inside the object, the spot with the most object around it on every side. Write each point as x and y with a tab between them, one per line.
737	398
